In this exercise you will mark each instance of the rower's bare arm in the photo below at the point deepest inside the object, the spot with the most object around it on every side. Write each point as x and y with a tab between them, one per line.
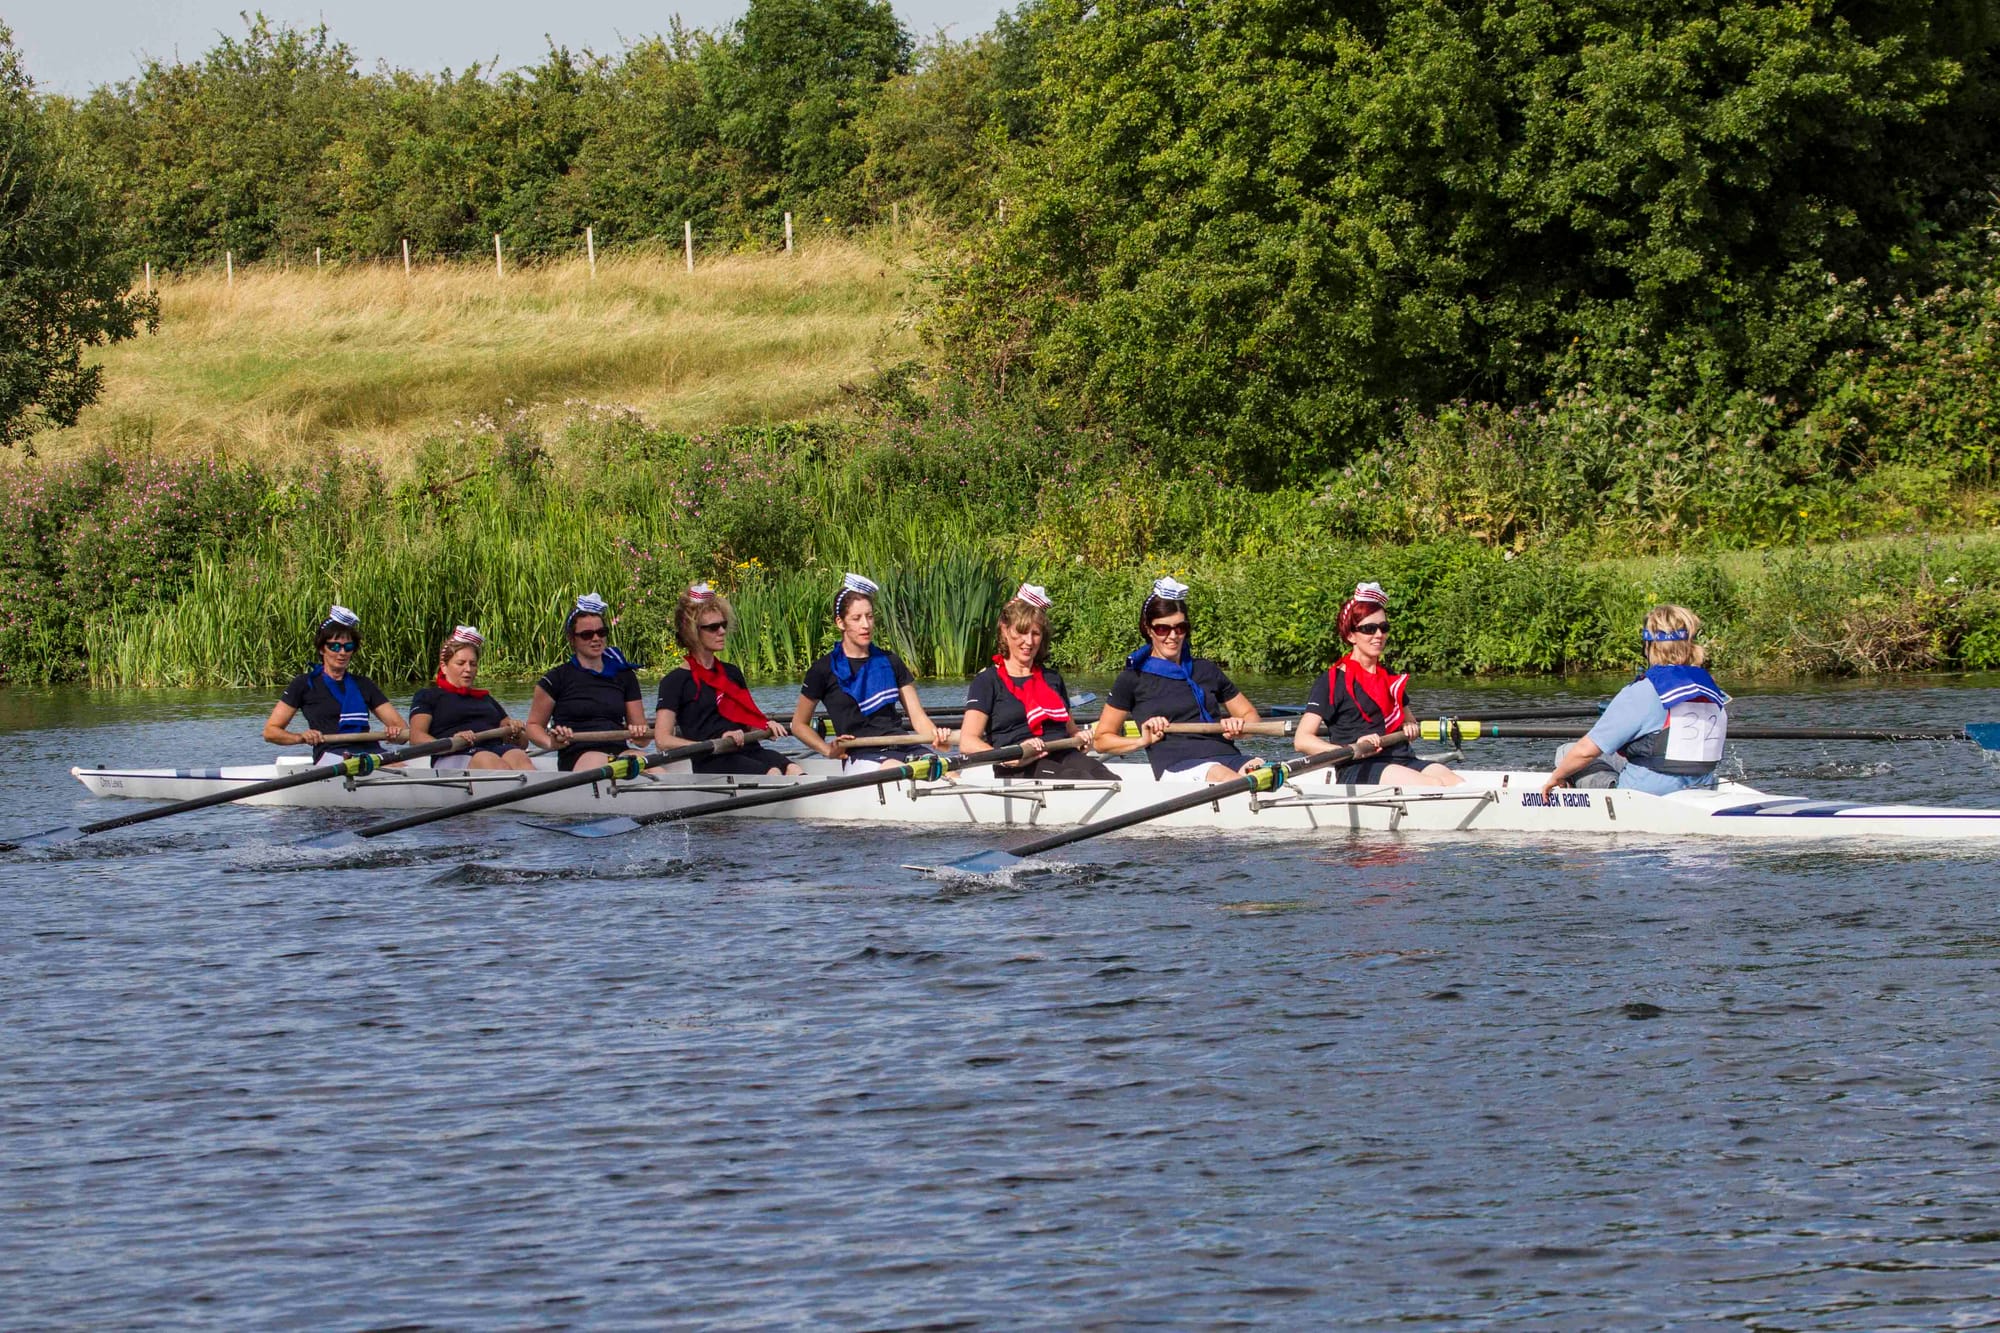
663	728
808	735
1110	733
281	717
420	729
1241	713
392	722
1307	740
1580	756
920	721
540	709
972	732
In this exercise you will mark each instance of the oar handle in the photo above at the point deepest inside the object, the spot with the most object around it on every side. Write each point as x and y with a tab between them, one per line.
333	740
1260	728
898	741
577	738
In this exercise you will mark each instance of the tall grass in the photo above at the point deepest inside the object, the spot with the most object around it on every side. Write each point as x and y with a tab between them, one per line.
287	361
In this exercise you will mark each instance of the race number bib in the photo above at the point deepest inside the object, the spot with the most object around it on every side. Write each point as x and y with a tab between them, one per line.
1695	732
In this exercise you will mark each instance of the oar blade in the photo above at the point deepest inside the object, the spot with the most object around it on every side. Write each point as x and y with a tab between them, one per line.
54	837
1986	735
598	828
994	864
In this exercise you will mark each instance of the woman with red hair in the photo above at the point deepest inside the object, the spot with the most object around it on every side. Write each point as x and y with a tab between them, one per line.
1360	702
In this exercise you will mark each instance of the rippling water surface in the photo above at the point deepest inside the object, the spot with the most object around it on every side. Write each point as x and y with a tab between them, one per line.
757	1075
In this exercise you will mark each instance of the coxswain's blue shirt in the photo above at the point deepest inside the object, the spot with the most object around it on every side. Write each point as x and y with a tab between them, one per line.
1637	711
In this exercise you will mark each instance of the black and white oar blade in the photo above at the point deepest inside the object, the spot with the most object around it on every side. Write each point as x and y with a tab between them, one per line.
54	837
597	828
1986	735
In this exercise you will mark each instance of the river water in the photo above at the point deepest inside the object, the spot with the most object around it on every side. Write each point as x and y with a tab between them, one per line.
757	1076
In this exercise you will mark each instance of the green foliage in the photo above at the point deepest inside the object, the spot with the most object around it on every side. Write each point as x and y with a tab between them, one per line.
1253	227
62	287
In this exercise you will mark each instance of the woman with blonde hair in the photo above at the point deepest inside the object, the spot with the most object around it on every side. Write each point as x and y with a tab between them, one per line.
1019	698
705	698
1665	731
454	705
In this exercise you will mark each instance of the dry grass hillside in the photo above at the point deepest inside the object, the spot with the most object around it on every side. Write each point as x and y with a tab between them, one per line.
364	357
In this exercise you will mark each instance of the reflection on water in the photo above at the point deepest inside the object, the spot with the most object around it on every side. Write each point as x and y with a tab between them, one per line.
759	1075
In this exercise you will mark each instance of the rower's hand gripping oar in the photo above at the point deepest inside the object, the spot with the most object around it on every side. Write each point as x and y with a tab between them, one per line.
623	768
930	768
1986	735
354	766
1266	779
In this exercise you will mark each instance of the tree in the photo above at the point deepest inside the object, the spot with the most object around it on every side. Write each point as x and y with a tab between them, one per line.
62	284
1252	227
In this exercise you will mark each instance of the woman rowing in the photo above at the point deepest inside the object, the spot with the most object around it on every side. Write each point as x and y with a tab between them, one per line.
706	698
1164	684
1018	698
862	686
597	690
1665	731
454	705
1361	703
334	699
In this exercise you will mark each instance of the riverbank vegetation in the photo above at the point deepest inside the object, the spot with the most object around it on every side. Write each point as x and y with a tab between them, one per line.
1533	316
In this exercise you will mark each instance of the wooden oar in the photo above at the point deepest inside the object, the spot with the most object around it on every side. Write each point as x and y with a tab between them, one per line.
355	766
622	769
1268	778
1986	735
333	740
929	768
824	725
1284	728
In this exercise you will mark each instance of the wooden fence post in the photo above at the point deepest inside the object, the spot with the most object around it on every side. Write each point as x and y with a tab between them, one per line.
406	256
316	263
499	270
687	241
149	277
229	269
788	233
590	249
895	218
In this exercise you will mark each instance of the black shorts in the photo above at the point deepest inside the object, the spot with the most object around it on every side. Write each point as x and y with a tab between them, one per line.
750	761
566	759
1074	765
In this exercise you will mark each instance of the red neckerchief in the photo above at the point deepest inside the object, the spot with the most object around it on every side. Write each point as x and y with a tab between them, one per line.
450	688
731	700
1385	691
1039	699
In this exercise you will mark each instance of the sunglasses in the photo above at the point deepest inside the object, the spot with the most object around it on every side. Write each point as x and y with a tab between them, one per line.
713	627
599	633
1372	627
342	647
1163	629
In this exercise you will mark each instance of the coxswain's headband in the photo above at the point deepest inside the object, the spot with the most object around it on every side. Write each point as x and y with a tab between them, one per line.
853	585
1371	593
341	616
1033	595
701	592
1663	635
466	634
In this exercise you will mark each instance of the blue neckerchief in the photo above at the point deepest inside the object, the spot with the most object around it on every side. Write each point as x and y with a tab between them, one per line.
353	708
1678	684
614	662
874	686
1145	663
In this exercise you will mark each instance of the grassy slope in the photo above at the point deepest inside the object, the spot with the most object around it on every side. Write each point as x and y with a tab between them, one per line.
367	358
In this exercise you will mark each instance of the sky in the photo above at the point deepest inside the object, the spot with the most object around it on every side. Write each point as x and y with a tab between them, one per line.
71	46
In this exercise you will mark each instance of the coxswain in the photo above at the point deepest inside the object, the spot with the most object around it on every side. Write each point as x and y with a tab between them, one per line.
596	690
865	688
1665	731
1018	699
454	705
1361	703
706	698
333	697
1164	682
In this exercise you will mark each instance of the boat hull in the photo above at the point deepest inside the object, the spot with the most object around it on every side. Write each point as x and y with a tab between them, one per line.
1489	802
